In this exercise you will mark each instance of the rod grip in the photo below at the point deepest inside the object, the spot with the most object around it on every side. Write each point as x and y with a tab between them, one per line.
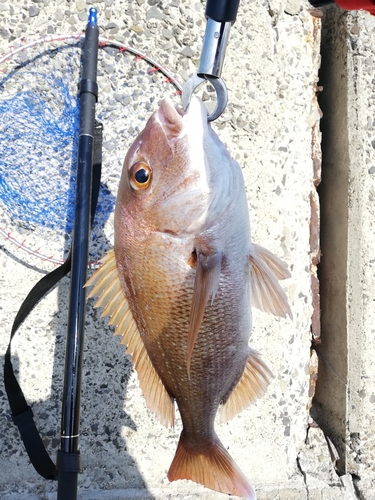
68	465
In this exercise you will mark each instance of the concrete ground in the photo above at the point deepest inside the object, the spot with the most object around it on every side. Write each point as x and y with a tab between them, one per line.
271	127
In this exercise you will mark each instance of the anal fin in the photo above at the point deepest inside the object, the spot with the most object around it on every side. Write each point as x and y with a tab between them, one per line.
107	286
252	385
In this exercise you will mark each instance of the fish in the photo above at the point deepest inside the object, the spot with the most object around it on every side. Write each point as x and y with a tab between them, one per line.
179	284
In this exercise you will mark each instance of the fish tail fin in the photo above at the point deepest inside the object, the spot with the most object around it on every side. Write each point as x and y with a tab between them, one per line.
211	466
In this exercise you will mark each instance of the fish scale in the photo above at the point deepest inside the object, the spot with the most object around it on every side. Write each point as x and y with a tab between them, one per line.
173	305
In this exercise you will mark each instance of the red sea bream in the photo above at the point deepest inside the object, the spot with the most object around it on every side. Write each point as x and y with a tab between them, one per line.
179	286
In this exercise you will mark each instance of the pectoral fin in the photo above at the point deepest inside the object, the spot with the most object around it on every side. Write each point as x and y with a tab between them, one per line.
205	285
252	385
107	286
266	293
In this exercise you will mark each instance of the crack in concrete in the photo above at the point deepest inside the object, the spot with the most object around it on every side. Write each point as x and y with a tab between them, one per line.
358	493
304	475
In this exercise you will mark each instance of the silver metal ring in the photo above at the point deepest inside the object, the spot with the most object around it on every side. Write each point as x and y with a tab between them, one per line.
219	86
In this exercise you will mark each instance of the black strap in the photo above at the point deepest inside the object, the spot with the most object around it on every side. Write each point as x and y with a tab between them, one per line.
21	412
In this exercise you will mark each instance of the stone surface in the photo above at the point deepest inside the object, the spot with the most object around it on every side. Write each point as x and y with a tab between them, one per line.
269	126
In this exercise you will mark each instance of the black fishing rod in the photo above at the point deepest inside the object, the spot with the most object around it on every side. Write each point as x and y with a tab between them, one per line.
68	457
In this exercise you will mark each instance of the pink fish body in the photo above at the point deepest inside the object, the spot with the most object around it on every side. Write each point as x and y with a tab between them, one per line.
189	273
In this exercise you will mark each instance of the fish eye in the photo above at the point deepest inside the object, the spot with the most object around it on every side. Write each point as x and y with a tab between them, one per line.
140	175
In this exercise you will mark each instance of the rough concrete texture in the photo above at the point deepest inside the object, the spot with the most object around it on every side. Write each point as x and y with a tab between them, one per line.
271	129
345	392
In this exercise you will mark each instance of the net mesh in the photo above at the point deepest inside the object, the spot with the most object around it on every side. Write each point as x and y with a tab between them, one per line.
39	120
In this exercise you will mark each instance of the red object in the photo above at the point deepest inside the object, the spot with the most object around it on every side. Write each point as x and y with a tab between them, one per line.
368	5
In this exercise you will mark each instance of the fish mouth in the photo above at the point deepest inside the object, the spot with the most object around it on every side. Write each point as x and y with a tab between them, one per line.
172	112
195	112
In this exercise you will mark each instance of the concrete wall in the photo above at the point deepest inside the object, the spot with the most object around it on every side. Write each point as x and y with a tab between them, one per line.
271	128
345	390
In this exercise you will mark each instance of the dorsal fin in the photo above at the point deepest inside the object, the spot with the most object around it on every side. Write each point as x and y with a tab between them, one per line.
266	293
252	385
107	286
